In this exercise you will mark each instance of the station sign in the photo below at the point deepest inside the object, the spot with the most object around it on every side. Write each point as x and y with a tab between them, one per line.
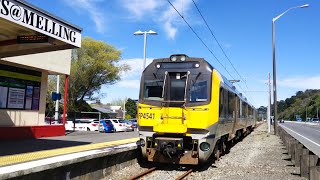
25	15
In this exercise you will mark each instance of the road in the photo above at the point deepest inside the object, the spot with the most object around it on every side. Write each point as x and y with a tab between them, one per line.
71	139
307	134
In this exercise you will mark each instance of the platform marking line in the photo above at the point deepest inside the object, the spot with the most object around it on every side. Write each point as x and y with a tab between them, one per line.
60	158
303	136
24	157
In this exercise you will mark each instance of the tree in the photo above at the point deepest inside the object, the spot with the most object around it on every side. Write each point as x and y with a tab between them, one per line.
92	65
131	108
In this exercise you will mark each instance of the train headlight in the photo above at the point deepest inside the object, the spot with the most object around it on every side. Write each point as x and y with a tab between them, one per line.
183	58
173	58
197	65
158	66
205	146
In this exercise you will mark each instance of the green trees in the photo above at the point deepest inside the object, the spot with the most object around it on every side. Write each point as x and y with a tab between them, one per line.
131	108
302	104
92	65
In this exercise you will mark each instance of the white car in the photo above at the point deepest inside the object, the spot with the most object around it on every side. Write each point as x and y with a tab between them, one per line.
82	125
119	125
129	125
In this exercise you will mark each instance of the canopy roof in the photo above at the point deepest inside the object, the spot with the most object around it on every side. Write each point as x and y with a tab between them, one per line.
26	29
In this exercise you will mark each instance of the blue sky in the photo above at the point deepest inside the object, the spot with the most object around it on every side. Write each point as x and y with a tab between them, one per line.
242	27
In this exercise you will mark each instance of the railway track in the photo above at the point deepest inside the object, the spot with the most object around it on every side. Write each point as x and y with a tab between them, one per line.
149	171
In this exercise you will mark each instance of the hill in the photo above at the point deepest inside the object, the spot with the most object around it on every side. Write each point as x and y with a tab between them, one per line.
307	101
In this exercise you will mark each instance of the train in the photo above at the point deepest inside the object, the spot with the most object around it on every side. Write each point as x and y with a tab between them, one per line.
188	111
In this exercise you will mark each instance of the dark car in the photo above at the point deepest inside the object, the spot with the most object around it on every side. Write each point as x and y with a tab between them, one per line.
106	126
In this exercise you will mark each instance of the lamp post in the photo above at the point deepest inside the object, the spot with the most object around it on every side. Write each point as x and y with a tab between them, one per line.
145	43
274	62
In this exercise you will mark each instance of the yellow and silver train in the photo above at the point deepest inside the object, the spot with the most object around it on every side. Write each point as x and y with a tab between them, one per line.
187	111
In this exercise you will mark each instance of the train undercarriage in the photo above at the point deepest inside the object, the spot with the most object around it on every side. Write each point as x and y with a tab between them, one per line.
175	149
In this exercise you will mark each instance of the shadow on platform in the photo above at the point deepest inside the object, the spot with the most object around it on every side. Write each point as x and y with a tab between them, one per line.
33	145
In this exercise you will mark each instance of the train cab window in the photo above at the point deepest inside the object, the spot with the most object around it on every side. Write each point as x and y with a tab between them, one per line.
199	92
177	86
153	90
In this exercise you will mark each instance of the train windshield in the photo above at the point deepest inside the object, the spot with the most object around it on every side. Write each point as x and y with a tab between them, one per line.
177	88
199	91
153	89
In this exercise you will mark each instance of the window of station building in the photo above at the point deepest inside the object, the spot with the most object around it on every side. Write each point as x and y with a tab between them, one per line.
231	104
19	88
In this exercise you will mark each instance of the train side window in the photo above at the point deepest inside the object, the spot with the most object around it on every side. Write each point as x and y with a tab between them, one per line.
249	112
222	108
240	108
245	110
231	104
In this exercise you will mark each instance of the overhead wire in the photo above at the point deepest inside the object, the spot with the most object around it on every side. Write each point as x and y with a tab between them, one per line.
200	38
208	47
219	44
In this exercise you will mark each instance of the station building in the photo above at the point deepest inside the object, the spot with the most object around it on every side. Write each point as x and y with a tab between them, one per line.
33	45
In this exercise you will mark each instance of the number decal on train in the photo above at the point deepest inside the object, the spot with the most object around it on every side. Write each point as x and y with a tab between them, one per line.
146	115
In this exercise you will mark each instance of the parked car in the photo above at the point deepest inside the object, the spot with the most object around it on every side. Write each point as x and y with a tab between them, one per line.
82	125
129	125
314	120
134	122
119	126
106	126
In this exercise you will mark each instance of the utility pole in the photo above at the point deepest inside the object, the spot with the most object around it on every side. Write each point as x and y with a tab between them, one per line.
124	108
317	114
269	106
56	113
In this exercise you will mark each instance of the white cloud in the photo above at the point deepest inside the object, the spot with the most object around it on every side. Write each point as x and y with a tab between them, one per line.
160	12
301	82
138	8
91	7
129	84
136	66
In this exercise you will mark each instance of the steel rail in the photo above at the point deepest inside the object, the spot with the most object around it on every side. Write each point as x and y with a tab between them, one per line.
184	174
143	173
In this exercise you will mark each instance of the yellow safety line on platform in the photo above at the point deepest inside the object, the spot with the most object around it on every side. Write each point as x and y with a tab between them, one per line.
19	158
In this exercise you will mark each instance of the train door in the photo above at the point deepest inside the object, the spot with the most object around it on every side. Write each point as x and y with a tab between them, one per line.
175	96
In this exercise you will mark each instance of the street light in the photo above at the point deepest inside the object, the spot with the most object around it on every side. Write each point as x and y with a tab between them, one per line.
145	43
274	62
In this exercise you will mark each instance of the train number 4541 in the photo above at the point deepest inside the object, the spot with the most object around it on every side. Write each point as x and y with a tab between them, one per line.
146	115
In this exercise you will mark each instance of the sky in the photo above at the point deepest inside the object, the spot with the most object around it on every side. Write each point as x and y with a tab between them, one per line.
242	27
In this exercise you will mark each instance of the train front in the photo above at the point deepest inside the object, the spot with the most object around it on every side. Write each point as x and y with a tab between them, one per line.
177	113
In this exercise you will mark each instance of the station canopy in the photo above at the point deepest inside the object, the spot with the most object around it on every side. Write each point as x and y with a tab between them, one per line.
25	29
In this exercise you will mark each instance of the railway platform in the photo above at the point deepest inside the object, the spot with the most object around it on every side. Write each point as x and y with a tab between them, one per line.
66	157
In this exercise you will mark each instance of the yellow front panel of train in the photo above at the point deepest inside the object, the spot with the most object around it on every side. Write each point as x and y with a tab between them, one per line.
178	120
